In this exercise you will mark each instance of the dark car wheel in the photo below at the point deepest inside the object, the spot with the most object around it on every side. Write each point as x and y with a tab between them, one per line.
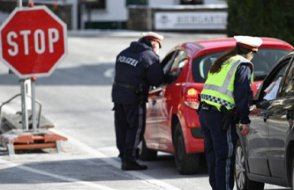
242	181
185	163
292	174
145	153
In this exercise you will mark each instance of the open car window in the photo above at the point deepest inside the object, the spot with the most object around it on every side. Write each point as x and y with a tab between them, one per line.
272	87
168	61
177	66
173	65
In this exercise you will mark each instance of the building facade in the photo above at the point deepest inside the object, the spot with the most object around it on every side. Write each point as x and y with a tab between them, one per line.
114	14
102	14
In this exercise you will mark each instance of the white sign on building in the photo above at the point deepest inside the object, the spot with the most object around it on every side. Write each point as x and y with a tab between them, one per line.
214	20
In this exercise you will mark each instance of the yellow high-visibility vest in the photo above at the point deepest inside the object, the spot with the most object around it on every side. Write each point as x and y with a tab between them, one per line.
219	87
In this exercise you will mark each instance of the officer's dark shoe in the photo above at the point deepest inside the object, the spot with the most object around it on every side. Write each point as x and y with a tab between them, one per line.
132	165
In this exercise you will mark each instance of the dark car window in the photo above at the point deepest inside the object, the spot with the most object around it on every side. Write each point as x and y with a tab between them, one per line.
288	87
263	62
201	66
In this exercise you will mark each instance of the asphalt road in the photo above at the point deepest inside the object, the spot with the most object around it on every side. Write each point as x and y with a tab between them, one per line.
76	98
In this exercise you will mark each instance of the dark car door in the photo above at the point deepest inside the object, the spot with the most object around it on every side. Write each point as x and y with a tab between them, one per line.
267	115
280	121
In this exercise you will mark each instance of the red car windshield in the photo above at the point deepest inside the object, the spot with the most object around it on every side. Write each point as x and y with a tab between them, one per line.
263	62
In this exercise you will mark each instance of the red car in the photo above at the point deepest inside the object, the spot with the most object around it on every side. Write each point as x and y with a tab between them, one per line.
172	123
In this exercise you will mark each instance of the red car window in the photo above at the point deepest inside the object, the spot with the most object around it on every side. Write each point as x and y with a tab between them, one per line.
263	62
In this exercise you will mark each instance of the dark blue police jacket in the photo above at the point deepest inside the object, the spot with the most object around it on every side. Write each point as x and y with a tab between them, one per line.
136	68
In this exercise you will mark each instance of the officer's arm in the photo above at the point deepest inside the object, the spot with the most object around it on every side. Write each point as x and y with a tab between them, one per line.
155	74
243	93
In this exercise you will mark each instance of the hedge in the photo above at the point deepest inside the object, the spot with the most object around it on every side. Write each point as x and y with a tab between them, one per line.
270	18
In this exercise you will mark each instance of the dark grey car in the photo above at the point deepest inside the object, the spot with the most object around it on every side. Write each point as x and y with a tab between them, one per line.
266	154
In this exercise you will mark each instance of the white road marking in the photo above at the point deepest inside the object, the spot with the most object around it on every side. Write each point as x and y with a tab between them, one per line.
148	180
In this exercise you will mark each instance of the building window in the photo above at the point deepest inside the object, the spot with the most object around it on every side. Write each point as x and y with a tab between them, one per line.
136	2
94	4
191	2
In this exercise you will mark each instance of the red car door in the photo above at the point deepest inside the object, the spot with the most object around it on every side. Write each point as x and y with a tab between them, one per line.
152	134
155	116
169	99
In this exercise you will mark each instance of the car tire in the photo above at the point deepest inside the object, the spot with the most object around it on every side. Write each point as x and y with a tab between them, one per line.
241	179
145	153
292	182
185	163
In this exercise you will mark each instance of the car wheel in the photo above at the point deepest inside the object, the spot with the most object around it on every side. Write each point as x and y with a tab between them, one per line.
242	181
292	184
185	163
145	153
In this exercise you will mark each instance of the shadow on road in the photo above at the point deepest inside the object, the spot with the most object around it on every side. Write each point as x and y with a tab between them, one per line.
84	170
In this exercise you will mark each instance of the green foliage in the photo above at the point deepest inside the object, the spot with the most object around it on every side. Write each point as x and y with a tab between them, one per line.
269	18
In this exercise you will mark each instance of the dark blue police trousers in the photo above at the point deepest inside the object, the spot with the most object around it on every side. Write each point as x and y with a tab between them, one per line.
219	146
129	128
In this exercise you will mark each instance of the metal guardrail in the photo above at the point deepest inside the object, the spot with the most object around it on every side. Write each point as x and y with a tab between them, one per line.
13	98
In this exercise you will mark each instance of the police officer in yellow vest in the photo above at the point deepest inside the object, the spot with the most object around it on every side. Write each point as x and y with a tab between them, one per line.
227	92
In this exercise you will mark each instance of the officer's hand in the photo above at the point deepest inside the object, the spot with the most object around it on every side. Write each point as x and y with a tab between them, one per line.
244	129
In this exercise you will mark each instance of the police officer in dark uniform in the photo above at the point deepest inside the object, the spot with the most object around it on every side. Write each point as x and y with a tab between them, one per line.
227	93
136	68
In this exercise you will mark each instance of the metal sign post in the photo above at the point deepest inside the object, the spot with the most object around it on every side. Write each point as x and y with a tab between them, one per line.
33	91
28	102
24	85
24	104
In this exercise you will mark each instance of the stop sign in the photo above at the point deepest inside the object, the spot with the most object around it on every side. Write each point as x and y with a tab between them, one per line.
32	41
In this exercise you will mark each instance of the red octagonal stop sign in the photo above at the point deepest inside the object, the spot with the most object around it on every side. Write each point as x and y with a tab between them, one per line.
33	41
